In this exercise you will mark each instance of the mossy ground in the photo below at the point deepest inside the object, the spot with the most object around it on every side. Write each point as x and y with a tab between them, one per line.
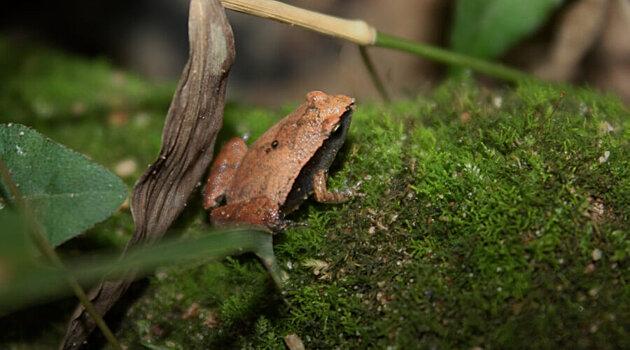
488	219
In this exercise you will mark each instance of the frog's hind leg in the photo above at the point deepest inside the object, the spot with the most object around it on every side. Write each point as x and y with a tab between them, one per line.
222	171
257	212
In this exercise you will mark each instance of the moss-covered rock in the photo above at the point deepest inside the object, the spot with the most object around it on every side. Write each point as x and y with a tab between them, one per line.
490	218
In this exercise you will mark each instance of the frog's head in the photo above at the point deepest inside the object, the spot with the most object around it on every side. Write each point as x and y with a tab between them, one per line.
334	110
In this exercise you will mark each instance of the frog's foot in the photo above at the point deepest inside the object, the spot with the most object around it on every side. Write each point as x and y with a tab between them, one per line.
323	195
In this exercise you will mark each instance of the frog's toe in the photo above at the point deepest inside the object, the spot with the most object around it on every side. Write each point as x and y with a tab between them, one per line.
281	225
359	194
289	224
303	224
352	191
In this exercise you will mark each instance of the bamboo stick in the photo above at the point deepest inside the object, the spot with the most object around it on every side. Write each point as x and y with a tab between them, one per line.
354	30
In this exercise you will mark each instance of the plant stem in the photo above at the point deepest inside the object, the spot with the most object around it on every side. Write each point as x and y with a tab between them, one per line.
372	71
51	255
449	57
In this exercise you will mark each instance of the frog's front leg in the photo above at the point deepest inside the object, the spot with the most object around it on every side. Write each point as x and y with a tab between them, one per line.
257	212
222	172
323	195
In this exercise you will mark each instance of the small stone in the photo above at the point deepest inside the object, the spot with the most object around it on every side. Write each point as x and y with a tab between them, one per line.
126	168
589	268
157	330
78	108
597	254
191	311
161	275
293	342
118	118
605	127
212	320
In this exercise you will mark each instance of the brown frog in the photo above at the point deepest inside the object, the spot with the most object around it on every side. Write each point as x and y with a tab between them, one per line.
282	168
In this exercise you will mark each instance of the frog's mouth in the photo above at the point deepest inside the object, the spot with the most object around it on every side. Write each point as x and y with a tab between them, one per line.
341	129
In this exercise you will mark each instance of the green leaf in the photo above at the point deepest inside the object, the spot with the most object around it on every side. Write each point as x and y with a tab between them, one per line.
39	283
486	28
67	192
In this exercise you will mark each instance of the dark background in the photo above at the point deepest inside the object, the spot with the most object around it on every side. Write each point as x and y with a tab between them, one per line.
278	63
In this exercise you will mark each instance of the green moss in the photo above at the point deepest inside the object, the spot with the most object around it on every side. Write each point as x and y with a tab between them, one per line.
483	216
496	219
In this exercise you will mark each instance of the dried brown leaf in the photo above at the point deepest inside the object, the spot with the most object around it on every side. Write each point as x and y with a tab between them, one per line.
193	121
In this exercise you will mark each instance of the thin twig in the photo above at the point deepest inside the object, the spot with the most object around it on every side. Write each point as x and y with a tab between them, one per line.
372	71
51	255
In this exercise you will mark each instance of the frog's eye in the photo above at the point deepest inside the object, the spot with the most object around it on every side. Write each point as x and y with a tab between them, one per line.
336	127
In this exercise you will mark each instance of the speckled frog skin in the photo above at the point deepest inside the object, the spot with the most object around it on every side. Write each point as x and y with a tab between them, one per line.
289	162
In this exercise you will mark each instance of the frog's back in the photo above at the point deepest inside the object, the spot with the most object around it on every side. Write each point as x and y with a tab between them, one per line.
274	161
